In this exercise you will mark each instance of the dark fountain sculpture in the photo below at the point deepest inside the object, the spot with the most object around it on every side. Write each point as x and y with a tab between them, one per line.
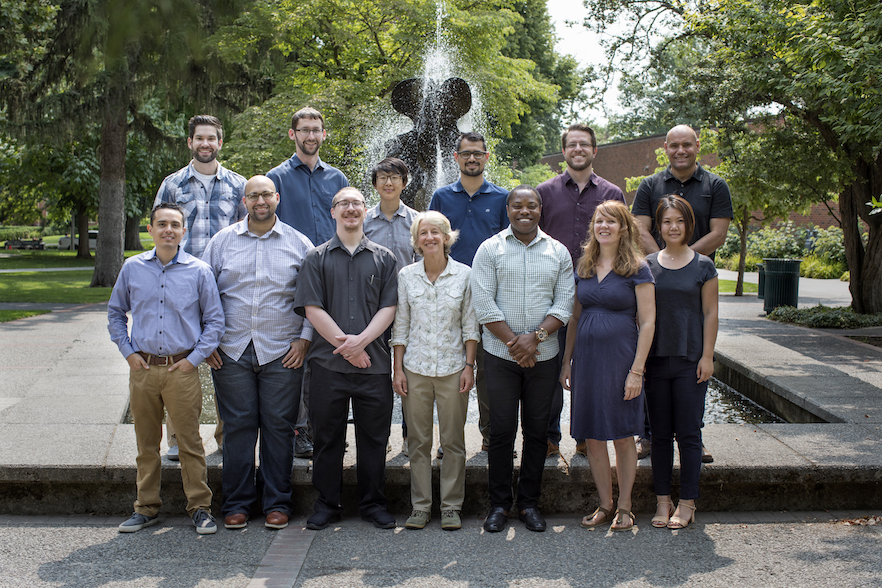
434	109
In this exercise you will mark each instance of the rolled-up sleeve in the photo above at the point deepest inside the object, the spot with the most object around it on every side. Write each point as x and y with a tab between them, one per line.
484	284
401	325
564	289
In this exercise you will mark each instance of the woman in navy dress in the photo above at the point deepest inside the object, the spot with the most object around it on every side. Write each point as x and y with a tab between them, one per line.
681	360
615	314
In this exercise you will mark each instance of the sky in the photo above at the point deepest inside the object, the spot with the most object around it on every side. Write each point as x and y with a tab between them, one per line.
577	41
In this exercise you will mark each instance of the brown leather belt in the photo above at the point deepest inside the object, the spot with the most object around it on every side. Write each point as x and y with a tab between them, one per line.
164	359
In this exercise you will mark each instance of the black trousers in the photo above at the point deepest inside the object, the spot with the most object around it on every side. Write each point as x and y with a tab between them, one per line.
509	387
329	397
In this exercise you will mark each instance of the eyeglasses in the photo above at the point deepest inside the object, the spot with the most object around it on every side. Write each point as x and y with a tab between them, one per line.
469	154
255	196
308	132
585	146
350	203
383	179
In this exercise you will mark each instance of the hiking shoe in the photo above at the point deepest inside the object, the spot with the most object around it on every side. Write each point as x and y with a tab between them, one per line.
172	453
582	448
418	519
644	447
404	450
303	447
450	520
553	449
204	522
137	522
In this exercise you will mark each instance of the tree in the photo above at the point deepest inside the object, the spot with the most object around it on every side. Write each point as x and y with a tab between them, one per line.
95	62
816	61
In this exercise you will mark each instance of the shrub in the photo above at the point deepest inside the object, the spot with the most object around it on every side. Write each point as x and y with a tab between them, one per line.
779	242
825	317
732	246
731	263
829	245
12	233
813	266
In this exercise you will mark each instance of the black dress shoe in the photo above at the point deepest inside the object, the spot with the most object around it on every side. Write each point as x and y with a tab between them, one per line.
532	519
495	521
322	519
380	518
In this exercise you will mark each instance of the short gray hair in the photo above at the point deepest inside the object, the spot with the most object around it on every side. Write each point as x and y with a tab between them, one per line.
436	219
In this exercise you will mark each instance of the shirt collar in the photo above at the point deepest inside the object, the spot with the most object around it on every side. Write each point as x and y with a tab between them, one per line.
540	235
696	175
218	173
567	178
485	187
241	227
376	212
365	243
295	162
181	256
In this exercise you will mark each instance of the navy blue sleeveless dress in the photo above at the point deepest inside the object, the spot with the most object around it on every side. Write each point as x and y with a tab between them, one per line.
606	340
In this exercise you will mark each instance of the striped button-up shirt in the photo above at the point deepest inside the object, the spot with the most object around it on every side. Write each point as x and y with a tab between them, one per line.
394	233
205	214
256	278
433	321
521	285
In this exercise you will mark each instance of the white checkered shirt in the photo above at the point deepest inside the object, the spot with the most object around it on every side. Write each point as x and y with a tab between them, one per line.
521	285
256	278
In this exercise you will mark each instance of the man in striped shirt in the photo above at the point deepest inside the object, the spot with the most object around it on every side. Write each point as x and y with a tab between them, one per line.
258	367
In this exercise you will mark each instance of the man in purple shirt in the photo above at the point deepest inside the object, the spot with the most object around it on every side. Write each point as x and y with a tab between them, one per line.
568	203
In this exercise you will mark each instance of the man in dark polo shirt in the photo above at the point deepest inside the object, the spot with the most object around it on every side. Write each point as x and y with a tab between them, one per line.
348	289
707	193
568	203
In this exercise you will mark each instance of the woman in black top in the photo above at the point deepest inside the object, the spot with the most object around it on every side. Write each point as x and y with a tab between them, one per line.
681	360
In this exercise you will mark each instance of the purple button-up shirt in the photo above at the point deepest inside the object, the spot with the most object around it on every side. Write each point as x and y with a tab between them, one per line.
566	212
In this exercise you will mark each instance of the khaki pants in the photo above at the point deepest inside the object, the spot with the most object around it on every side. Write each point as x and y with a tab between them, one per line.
422	394
218	430
181	395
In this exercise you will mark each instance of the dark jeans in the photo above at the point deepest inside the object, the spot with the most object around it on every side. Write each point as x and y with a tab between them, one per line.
256	398
329	397
676	407
510	386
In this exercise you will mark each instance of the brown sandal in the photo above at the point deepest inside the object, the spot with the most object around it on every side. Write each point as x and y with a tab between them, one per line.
619	512
607	514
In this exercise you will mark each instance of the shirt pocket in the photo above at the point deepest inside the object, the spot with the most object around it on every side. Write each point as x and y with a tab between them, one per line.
187	202
228	205
702	206
451	301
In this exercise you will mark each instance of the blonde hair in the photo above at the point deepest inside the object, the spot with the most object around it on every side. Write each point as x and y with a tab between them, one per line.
629	255
436	219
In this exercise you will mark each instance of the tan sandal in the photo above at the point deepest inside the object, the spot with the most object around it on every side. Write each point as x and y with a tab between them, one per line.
681	523
660	522
619	512
607	514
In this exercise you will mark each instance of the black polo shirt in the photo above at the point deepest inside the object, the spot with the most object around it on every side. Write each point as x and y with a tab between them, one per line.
350	288
707	193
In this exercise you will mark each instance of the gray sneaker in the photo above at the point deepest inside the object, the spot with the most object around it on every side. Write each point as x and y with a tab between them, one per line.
204	522
173	453
137	522
450	520
303	447
418	519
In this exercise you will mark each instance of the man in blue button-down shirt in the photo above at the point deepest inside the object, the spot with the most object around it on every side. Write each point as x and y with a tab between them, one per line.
475	208
177	321
306	186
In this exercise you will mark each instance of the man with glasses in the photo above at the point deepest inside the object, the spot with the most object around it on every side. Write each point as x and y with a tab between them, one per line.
348	289
258	364
476	208
211	198
388	224
306	185
568	203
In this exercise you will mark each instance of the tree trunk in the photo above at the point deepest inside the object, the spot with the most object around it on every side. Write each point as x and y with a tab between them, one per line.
742	226
133	239
83	230
111	194
864	265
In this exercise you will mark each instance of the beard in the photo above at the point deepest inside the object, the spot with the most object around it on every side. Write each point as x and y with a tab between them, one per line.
205	158
580	166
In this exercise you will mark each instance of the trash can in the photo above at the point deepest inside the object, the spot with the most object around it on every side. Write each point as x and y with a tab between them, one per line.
781	283
761	285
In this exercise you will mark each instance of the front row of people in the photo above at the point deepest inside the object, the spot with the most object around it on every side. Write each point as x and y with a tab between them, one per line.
263	301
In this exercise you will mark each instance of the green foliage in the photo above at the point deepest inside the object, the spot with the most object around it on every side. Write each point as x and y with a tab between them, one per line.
534	175
731	263
7	233
825	317
51	287
732	245
817	267
829	245
783	241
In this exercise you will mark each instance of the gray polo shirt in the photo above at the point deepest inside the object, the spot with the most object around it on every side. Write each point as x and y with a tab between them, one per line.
350	288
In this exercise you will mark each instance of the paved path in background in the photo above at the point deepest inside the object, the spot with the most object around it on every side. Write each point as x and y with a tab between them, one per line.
768	550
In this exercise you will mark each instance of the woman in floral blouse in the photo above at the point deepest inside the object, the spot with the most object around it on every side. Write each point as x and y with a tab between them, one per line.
435	337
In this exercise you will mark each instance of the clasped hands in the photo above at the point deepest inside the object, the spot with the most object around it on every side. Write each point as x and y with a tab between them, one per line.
524	349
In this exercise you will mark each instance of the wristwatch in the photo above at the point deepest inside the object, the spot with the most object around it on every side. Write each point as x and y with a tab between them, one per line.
541	335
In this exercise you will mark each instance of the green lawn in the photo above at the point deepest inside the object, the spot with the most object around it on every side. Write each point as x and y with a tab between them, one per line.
11	315
26	259
729	286
51	287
